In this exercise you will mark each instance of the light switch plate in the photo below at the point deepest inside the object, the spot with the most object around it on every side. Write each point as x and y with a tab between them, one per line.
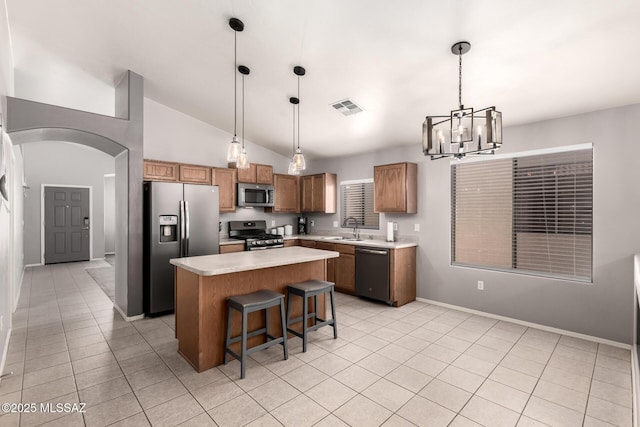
273	222
480	285
335	224
416	227
313	223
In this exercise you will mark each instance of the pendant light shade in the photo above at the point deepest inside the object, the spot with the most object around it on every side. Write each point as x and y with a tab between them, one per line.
243	159
297	163
235	149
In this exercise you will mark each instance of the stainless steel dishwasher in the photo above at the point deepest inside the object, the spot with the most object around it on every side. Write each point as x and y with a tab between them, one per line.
372	273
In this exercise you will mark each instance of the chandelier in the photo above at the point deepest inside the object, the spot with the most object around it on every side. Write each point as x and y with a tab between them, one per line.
464	131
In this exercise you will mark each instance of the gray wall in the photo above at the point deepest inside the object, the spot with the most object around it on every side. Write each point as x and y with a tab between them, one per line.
603	309
61	163
109	214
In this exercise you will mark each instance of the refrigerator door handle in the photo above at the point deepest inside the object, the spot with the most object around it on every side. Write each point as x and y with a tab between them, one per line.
186	240
183	231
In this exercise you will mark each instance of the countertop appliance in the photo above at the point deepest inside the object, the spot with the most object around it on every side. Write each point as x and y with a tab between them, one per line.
255	195
254	234
180	220
303	225
372	273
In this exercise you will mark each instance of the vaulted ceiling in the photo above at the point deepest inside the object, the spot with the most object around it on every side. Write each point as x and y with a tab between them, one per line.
532	59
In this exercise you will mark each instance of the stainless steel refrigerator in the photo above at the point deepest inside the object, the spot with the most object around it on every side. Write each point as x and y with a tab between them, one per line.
180	220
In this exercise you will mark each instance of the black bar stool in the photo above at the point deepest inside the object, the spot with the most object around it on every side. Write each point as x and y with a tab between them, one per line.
311	288
248	303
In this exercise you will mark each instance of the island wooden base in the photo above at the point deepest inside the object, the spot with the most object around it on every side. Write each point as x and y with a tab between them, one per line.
201	307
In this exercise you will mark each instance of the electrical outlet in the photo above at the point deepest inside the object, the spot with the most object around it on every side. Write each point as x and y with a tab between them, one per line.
335	224
480	285
395	226
313	223
273	222
416	227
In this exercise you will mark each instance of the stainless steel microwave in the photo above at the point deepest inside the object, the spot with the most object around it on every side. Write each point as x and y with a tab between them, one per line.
255	195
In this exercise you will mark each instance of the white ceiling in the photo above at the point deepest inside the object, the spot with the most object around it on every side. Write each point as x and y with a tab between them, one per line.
532	59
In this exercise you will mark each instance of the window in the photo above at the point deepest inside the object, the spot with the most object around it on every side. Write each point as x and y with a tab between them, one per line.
357	202
530	214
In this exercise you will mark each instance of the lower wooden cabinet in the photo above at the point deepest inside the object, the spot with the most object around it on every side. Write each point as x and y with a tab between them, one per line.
308	243
234	247
402	280
291	242
331	262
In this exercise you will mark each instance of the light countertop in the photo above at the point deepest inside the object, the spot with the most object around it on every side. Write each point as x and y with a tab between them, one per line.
213	265
336	239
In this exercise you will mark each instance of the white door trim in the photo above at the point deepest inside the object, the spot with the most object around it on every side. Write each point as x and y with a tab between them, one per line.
42	188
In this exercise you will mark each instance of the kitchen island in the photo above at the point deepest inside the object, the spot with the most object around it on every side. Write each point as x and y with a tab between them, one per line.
203	284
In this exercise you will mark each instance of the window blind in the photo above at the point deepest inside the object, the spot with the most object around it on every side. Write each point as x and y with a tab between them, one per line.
357	202
531	214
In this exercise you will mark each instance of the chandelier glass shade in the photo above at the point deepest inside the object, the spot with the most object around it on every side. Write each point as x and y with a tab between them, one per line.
297	163
464	131
236	152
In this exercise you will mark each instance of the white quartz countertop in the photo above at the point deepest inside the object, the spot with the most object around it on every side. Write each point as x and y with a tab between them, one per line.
362	242
213	265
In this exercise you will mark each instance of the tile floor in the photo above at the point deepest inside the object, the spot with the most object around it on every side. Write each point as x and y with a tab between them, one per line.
416	365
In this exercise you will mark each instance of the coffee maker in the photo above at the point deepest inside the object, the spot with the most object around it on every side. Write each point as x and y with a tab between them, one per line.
303	225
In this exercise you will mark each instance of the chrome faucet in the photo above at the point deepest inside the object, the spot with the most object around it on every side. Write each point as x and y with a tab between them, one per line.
356	232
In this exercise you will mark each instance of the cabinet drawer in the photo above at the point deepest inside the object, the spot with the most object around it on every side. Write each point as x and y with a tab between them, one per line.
308	243
234	247
345	249
326	246
291	242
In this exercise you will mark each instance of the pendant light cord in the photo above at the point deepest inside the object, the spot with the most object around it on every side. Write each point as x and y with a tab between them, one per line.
460	76
294	127
243	112
298	112
235	83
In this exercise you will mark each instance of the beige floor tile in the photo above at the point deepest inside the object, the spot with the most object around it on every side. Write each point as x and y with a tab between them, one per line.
487	413
331	394
104	391
397	352
617	352
514	379
461	421
397	421
445	394
273	393
610	392
150	376
193	380
217	393
465	380
443	354
423	412
300	411
331	421
48	361
475	365
530	422
561	395
361	411
371	343
161	392
138	420
408	378
90	350
228	414
112	410
267	420
426	365
98	375
72	420
530	353
566	379
503	395
427	335
304	377
174	412
378	364
528	367
50	390
579	343
93	362
613	363
610	412
330	364
454	343
40	417
570	365
352	352
495	343
612	376
551	413
388	394
356	377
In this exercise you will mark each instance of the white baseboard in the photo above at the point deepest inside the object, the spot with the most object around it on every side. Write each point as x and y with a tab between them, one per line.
528	324
5	351
634	383
33	265
17	296
128	318
97	259
109	253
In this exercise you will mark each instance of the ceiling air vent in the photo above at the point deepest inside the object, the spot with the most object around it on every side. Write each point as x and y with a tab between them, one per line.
346	107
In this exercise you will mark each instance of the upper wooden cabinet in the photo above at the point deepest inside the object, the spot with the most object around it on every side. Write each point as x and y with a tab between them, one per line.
287	193
396	188
255	173
226	180
195	174
160	171
318	193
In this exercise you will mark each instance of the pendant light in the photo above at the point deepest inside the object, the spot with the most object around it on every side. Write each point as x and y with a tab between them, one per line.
243	160
455	135
234	150
293	169
298	157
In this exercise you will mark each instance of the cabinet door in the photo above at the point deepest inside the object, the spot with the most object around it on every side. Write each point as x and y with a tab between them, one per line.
307	243
246	175
291	242
331	262
194	174
306	202
286	193
389	186
345	273
264	174
160	171
226	180
318	193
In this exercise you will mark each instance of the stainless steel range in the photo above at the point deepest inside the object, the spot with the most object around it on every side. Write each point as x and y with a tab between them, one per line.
254	234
